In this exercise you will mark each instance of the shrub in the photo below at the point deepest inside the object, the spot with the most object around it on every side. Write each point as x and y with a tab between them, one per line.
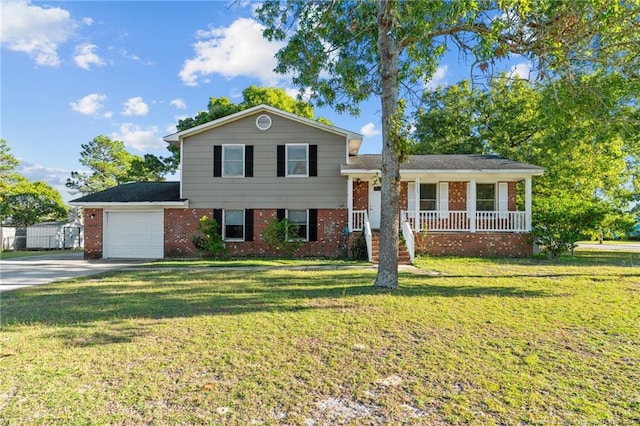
560	222
281	235
209	240
359	247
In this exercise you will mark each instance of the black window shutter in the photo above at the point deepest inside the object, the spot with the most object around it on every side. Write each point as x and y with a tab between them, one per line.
248	161
248	225
313	160
281	214
313	224
217	160
281	161
217	216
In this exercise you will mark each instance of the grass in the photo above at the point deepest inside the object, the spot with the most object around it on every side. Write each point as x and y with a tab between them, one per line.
465	340
248	263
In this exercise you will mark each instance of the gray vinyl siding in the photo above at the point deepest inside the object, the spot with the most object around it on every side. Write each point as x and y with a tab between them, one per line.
264	189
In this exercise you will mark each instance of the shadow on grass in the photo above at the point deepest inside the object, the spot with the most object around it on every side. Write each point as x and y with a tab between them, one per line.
161	294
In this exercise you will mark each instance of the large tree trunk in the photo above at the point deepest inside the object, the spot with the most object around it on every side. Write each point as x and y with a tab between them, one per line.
388	50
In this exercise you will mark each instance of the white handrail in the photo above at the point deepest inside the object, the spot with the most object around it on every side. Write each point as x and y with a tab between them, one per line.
407	234
368	236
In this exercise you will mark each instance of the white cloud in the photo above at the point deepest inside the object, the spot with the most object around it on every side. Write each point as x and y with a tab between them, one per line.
178	103
85	56
521	70
439	77
35	30
370	130
138	138
52	176
135	106
90	104
236	50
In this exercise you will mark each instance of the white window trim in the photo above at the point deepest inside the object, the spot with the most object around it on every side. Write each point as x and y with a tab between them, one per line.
286	159
224	146
495	195
306	238
224	226
437	200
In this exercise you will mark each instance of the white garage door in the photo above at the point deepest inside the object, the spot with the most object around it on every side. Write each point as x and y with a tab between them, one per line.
134	235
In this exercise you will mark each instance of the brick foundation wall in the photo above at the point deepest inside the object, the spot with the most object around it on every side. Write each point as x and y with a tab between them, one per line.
93	226
485	244
181	224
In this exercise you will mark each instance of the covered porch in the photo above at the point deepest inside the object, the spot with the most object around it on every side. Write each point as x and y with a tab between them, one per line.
436	206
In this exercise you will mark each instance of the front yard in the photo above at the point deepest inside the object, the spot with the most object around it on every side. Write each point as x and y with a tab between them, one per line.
464	341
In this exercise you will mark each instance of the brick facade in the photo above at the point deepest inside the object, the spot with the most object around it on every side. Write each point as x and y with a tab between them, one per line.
474	244
360	195
93	225
181	224
458	196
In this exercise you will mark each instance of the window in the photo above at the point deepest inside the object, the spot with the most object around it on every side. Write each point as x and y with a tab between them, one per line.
300	218
232	160
428	196
297	160
233	225
485	197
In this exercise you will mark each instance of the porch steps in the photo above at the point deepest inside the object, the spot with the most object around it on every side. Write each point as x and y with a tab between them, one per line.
403	253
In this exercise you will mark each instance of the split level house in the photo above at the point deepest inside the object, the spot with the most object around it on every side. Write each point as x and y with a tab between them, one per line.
261	164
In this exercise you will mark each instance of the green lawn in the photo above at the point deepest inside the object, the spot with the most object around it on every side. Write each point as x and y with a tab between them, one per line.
484	341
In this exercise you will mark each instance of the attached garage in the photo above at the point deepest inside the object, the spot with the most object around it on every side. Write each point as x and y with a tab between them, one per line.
133	235
127	221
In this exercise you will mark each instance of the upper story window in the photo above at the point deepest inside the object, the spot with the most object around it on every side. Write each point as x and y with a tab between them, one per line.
428	194
485	197
232	160
297	160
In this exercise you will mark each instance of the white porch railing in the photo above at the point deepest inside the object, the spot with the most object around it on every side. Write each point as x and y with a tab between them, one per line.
496	221
407	234
368	236
358	220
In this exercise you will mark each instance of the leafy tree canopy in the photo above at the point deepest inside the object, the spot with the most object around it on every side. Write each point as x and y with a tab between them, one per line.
345	52
8	168
110	164
27	203
251	96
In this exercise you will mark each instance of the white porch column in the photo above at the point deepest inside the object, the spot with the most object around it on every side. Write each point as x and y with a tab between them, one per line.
350	201
416	195
527	204
471	205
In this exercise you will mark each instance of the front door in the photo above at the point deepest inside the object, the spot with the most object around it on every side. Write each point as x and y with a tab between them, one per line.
374	204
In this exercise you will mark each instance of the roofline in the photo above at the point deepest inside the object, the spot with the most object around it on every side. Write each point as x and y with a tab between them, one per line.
178	136
182	203
532	172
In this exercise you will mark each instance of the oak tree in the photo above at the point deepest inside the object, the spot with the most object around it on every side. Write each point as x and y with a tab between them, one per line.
344	52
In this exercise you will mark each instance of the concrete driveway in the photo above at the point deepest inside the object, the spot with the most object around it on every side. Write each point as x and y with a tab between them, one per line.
35	270
611	247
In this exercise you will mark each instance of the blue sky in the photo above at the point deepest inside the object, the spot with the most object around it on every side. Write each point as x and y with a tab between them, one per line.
71	71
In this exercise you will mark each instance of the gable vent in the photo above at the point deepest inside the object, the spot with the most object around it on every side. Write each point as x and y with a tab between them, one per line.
263	122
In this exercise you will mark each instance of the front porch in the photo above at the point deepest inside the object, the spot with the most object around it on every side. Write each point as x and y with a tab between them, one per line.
454	221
